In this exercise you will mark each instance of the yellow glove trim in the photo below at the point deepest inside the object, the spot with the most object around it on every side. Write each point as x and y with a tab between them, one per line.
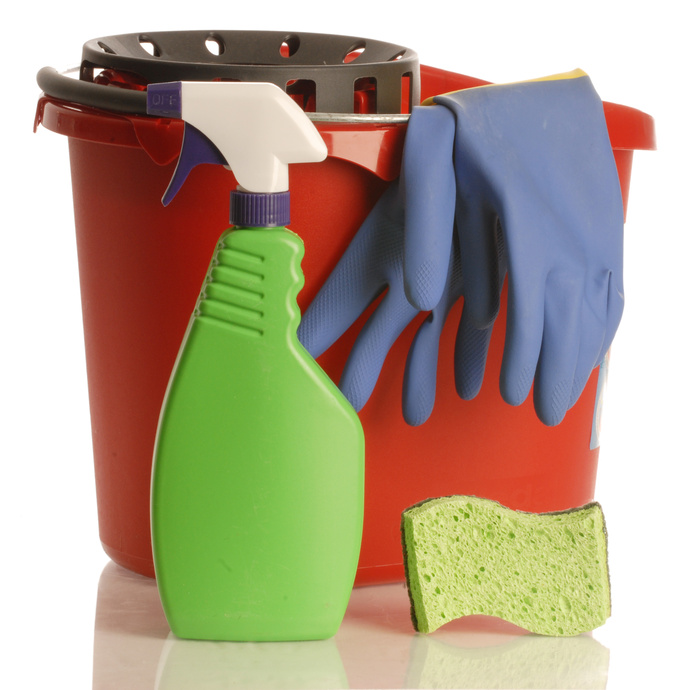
574	74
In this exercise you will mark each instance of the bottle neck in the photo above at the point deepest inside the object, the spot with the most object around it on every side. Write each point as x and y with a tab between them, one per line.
259	210
253	282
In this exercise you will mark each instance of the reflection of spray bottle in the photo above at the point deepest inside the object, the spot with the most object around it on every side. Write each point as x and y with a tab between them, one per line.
188	664
257	487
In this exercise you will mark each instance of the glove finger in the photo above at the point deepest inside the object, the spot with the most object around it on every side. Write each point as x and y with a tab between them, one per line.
587	358
615	307
367	356
560	348
428	184
595	313
597	335
470	354
480	240
357	279
523	336
471	344
420	376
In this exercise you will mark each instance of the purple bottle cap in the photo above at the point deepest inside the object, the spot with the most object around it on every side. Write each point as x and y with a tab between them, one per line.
251	210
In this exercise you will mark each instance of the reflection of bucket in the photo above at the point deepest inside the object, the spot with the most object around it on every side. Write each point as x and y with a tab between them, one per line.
141	267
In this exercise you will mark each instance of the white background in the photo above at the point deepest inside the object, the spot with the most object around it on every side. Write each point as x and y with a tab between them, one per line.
637	54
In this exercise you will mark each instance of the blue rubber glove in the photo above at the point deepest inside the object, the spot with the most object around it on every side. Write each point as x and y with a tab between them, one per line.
373	263
536	156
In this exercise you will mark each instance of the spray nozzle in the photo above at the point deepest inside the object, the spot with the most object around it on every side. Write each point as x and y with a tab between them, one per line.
253	128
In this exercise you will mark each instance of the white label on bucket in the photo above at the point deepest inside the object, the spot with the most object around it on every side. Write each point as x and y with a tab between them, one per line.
599	402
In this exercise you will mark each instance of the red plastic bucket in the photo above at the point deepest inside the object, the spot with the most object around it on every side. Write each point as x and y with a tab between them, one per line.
141	266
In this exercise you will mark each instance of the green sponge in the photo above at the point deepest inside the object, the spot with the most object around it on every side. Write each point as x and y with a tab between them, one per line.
546	573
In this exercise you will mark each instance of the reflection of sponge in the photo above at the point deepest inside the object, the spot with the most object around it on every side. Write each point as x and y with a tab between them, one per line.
547	573
524	661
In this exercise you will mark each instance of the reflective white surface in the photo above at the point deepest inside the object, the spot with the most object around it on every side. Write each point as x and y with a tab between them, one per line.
114	635
376	647
71	618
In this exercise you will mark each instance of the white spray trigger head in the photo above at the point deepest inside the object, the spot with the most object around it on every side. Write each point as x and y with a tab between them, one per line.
257	128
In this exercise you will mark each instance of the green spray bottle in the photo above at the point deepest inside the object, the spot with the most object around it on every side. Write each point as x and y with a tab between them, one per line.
258	470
